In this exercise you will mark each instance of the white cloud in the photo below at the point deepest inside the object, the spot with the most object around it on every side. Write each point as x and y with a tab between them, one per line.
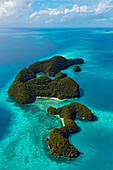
103	6
5	6
77	9
48	21
29	5
84	9
59	14
51	11
62	11
33	15
43	12
67	10
11	10
55	11
9	4
21	11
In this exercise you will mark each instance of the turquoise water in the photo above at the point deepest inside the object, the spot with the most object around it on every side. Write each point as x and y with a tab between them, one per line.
23	128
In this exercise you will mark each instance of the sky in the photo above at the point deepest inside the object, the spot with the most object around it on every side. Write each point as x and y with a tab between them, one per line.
56	13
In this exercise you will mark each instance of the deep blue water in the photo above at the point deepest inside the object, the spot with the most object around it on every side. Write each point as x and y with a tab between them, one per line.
23	128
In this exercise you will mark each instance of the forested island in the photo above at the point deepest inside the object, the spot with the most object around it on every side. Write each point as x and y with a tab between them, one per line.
26	87
58	137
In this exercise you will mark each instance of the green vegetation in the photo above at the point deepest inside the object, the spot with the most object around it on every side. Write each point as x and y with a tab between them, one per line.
76	69
60	145
52	66
26	86
58	137
24	75
61	75
71	111
26	91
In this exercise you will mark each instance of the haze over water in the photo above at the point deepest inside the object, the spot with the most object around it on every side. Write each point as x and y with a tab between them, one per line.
23	128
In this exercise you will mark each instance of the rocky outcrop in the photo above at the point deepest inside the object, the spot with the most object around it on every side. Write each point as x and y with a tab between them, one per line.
76	69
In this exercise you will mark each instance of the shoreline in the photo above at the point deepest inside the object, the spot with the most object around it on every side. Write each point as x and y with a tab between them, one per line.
49	98
62	119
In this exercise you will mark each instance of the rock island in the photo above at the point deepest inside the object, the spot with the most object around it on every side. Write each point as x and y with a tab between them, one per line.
58	137
26	86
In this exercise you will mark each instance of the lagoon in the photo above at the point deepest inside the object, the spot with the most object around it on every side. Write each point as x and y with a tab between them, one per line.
23	128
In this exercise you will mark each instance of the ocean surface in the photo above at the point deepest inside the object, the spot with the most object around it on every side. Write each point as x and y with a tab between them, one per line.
23	128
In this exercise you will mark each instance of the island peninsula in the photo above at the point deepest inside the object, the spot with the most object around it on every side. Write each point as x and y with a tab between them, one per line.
58	137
